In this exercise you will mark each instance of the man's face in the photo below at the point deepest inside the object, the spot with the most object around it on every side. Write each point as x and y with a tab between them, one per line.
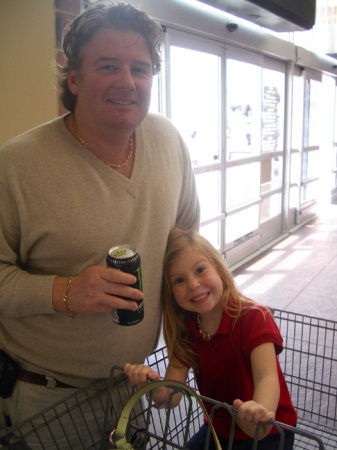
113	83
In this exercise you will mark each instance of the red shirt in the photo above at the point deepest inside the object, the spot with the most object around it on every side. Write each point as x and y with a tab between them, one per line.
225	371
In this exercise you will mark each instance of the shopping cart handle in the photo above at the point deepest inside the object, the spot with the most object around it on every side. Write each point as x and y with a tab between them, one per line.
122	423
122	442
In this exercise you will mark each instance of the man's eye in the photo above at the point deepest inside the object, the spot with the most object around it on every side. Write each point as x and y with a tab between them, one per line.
109	68
141	71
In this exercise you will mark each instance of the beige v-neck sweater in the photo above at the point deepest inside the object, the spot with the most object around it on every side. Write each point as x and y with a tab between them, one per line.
61	209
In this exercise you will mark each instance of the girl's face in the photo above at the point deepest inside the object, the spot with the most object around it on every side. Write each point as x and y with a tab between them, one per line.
195	283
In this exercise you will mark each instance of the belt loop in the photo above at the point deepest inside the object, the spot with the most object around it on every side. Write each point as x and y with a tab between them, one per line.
51	382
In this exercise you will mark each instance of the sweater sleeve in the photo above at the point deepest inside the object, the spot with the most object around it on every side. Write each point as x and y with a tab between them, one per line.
21	293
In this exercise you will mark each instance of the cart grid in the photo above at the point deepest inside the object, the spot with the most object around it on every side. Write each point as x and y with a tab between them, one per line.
85	419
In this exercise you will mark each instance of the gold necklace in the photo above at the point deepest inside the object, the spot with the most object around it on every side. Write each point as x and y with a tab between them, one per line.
114	166
205	334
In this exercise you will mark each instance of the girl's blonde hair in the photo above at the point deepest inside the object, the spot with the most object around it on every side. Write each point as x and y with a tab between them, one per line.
233	301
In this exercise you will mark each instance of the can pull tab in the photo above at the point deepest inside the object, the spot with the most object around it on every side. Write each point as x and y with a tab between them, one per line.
119	253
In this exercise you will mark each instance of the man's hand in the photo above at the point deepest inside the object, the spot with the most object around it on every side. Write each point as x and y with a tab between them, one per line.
97	290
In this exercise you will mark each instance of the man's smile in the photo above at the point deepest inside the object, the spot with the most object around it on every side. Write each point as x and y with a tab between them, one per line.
122	102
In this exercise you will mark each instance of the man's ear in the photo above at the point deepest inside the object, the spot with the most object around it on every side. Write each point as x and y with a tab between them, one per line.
73	81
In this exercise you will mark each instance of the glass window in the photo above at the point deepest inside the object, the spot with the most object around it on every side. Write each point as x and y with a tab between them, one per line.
309	191
295	168
271	173
208	187
211	233
312	119
155	97
297	112
272	111
334	158
196	102
242	184
334	180
335	129
270	207
242	223
243	109
310	165
294	197
333	183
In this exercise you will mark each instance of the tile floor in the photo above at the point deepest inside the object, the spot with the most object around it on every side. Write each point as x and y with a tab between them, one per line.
299	274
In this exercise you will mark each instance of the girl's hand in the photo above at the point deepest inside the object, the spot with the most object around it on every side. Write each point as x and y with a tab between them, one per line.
250	414
139	374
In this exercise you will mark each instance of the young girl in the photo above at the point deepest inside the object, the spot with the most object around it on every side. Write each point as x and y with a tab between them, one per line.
230	342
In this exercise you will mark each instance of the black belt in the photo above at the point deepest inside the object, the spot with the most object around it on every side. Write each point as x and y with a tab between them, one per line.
42	380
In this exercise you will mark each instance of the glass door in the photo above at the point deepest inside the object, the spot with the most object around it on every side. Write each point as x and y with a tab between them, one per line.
333	175
313	147
243	137
228	105
310	154
194	102
272	154
296	145
327	148
255	98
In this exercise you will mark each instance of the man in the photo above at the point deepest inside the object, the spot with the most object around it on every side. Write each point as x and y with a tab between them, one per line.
107	173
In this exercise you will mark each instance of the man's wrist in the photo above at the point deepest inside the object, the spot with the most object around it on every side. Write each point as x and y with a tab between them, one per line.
57	294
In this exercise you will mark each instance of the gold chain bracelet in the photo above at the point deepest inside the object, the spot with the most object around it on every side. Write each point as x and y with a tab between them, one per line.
70	314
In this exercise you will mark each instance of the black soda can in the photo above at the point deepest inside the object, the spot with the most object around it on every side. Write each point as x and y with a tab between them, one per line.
126	258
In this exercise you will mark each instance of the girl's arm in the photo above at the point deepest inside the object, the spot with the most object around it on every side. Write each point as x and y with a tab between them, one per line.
139	374
266	396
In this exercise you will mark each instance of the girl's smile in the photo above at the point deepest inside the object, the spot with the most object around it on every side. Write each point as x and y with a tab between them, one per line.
200	298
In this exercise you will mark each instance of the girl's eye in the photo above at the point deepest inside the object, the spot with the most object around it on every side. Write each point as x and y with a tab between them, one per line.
178	281
200	270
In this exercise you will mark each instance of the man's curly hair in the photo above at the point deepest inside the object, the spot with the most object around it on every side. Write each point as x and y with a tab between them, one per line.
104	15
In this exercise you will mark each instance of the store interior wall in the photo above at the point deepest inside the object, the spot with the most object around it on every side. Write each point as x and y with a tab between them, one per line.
28	78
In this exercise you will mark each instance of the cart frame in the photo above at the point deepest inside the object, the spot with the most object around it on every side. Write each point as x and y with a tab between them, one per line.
309	363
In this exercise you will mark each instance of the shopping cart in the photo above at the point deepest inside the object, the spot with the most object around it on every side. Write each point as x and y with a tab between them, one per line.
85	420
309	363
